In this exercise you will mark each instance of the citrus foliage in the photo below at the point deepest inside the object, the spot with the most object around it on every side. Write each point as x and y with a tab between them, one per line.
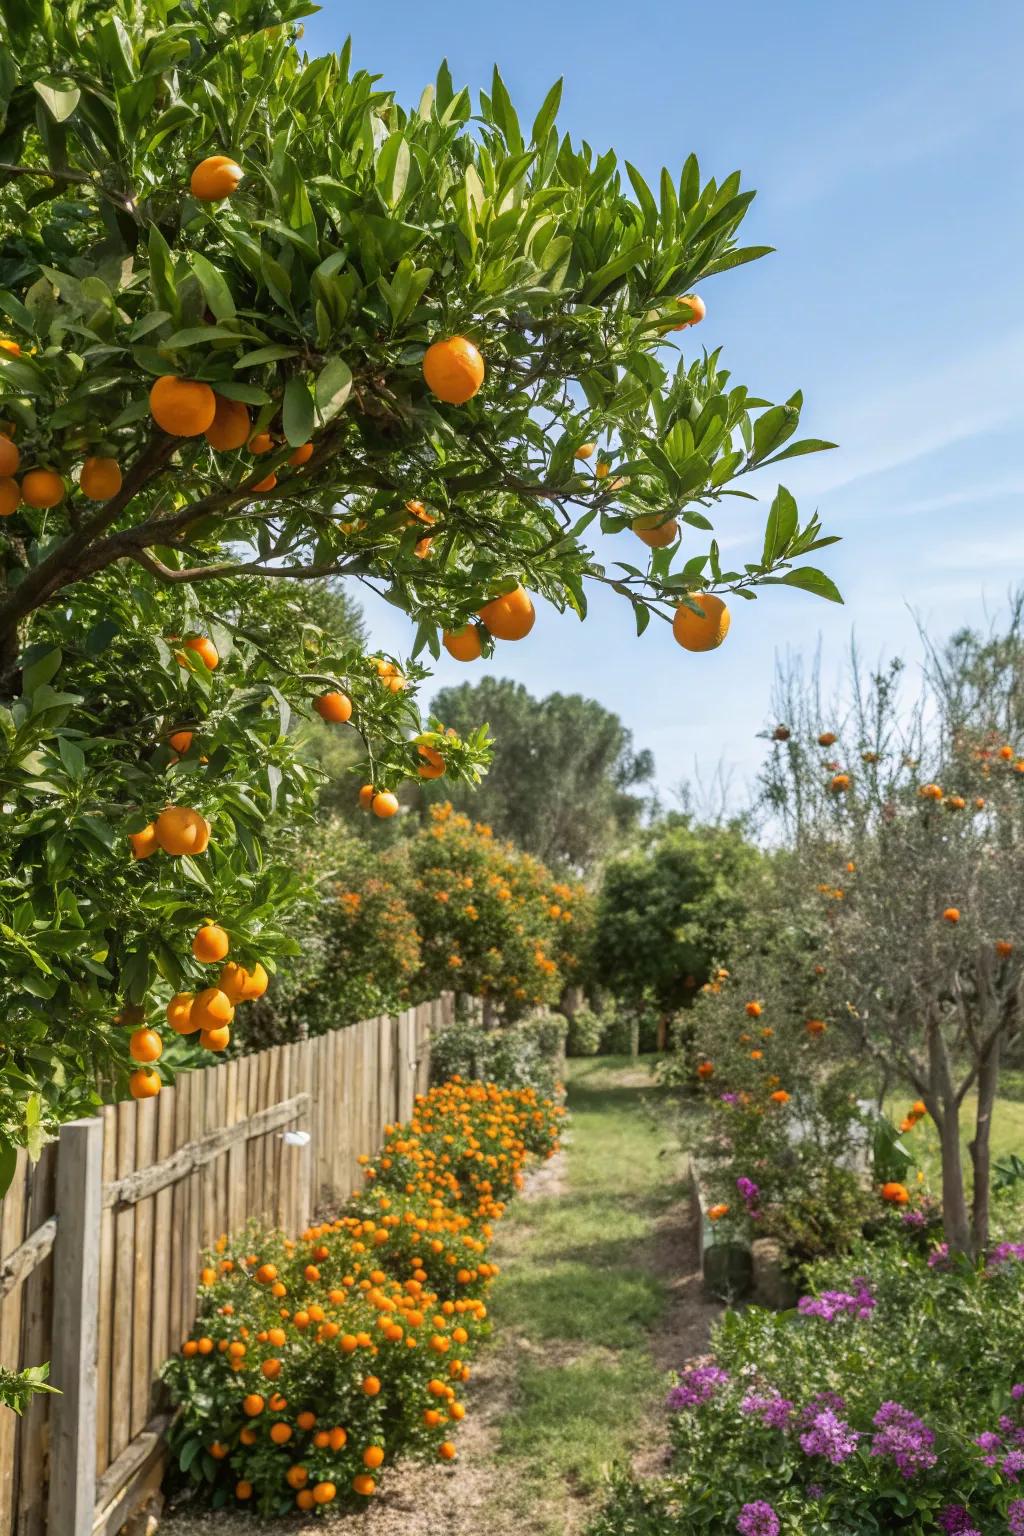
314	1363
494	921
193	205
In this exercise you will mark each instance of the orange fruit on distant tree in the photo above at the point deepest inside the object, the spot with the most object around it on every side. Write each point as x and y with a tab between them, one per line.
654	532
952	914
752	1010
182	407
180	830
297	1477
1004	949
302	455
210	943
704	627
323	1493
144	843
384	804
839	783
371	1386
252	1405
10	458
697	310
373	1456
215	1039
180	741
260	443
10	496
334	707
895	1193
432	766
243	1488
10	347
453	369
145	1045
144	1084
215	178
446	1450
280	1433
230	426
366	795
826	739
179	1014
364	1484
100	479
262	486
510	617
463	644
42	488
586	450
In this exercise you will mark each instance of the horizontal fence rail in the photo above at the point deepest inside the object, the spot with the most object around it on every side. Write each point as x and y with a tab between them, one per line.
100	1243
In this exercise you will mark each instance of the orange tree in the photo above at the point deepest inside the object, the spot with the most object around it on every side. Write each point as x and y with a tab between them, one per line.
494	921
907	831
263	325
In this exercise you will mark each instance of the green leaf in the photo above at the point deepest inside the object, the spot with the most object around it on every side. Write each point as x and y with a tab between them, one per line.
271	354
504	114
297	415
215	288
60	97
393	165
8	1166
810	580
796	450
42	669
780	527
333	387
544	121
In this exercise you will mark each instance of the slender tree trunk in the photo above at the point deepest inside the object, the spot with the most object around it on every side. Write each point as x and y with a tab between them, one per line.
981	1146
490	1014
954	1201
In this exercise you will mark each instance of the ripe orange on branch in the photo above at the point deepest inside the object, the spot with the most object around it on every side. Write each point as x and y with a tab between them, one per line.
384	804
704	627
655	533
182	407
10	496
180	830
432	766
241	985
100	479
10	457
463	644
697	310
179	1014
210	943
205	649
144	843
42	488
510	617
215	178
453	369
230	426
335	707
145	1045
144	1084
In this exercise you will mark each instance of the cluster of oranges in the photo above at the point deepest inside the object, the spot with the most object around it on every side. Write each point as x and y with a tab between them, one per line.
42	487
316	1361
917	1111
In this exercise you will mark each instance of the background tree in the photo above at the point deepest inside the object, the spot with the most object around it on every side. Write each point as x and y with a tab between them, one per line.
670	911
908	826
564	774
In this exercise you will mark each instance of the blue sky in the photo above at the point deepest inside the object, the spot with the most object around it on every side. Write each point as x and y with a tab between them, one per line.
884	141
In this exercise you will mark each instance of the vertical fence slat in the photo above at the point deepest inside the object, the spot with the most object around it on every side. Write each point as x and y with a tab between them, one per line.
146	1120
12	1233
105	1323
124	1290
36	1347
76	1295
161	1342
178	1322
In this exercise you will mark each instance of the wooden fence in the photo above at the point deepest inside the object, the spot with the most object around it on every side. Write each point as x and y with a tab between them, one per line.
100	1240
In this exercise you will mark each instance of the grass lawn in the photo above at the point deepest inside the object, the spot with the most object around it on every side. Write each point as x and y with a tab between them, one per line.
581	1295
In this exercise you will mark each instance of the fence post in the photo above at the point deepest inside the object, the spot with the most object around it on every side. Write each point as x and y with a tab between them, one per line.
76	1259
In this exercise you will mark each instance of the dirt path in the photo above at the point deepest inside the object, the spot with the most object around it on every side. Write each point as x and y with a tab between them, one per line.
600	1299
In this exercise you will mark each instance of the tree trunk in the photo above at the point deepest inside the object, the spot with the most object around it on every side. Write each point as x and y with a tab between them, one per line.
634	1037
490	1014
981	1146
954	1201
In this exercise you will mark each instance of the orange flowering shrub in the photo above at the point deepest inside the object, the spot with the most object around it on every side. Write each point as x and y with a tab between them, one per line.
315	1361
494	921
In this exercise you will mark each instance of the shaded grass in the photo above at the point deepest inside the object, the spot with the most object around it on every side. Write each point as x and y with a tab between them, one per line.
581	1293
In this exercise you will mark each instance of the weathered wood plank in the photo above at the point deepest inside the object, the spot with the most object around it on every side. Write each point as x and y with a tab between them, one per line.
12	1235
139	1466
76	1258
105	1326
27	1256
124	1289
146	1119
37	1346
161	1343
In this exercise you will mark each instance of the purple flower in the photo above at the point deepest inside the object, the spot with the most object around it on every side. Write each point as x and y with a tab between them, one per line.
955	1520
904	1437
814	1491
747	1188
830	1304
938	1256
729	1098
1017	1391
991	1445
829	1436
1015	1518
1013	1466
1004	1253
696	1386
820	1401
758	1519
774	1410
913	1218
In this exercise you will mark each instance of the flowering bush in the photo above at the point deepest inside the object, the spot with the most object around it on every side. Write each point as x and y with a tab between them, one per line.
495	922
314	1362
838	1417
